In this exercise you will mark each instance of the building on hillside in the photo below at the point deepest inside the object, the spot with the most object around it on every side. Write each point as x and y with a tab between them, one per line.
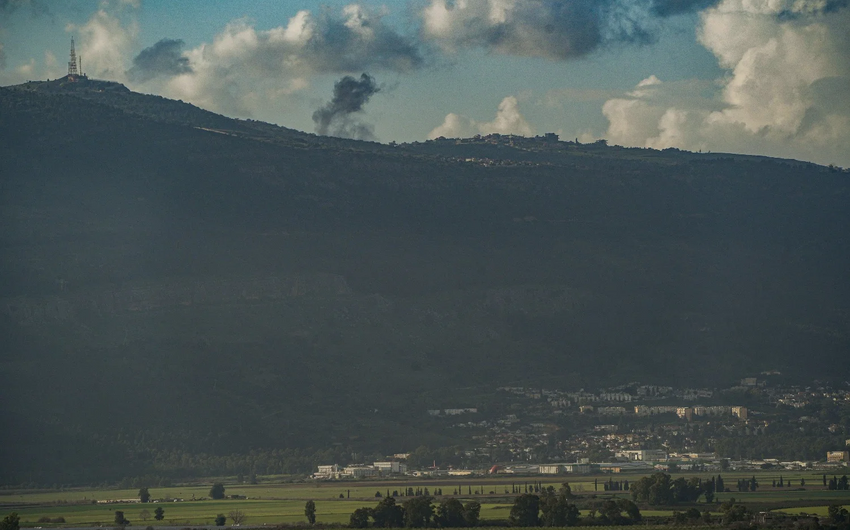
740	412
649	410
332	471
457	412
360	471
838	456
685	412
569	468
391	468
643	455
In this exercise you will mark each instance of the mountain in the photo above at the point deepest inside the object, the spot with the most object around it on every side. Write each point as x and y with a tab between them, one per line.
177	286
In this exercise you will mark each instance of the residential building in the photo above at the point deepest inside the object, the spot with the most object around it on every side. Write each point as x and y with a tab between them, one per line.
838	456
740	412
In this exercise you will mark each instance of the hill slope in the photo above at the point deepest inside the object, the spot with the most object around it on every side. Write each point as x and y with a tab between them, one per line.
177	282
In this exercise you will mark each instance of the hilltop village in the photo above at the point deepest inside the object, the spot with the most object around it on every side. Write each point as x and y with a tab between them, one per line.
634	428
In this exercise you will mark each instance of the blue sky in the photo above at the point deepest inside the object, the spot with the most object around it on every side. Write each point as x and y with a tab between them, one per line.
756	76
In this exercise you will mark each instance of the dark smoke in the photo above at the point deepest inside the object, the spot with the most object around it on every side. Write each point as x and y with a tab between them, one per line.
337	117
162	59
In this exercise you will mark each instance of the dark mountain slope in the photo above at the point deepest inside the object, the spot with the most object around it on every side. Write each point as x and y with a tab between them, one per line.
167	288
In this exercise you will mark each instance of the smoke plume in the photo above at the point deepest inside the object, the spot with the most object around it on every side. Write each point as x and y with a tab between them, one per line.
338	116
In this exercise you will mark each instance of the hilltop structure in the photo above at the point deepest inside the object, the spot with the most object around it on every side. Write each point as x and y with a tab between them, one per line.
75	72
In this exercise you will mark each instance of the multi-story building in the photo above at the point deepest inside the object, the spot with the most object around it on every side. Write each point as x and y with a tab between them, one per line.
838	456
391	468
360	471
643	455
332	471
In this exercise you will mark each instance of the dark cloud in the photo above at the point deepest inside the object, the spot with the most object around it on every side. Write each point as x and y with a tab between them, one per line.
566	29
165	58
336	118
555	29
37	8
2	57
666	8
805	9
358	39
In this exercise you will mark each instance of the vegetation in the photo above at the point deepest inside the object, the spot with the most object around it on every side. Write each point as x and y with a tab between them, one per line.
217	491
310	511
10	522
146	236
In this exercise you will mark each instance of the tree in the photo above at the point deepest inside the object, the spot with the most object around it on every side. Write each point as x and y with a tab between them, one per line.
472	513
217	491
220	520
310	511
450	514
144	495
159	513
120	520
11	522
558	511
387	514
360	518
144	515
238	516
418	512
837	514
526	510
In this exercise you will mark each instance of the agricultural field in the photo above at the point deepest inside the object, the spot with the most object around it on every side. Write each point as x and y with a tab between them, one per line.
268	503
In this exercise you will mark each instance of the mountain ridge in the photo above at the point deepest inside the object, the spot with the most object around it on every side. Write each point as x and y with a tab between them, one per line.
467	264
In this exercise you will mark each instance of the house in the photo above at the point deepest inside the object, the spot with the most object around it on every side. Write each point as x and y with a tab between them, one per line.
838	456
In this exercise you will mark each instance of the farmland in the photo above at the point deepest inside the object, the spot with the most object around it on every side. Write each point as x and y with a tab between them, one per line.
270	503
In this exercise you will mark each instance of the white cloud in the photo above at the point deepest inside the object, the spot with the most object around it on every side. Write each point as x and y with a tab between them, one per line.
240	71
103	44
787	93
455	126
508	120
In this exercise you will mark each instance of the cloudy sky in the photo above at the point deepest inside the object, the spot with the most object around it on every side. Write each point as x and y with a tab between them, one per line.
750	76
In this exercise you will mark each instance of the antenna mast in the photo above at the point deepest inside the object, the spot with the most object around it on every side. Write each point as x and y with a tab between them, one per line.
72	64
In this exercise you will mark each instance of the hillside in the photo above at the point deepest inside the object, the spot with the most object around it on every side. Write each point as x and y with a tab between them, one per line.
174	282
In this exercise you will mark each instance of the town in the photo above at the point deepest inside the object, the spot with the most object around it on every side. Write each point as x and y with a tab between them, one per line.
630	428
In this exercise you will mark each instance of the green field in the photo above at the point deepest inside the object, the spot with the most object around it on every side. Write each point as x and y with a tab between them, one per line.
267	503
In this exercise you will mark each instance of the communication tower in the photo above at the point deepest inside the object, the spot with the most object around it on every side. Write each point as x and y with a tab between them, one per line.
73	72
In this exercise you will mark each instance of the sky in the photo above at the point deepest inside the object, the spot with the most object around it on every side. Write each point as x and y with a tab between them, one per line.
769	77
